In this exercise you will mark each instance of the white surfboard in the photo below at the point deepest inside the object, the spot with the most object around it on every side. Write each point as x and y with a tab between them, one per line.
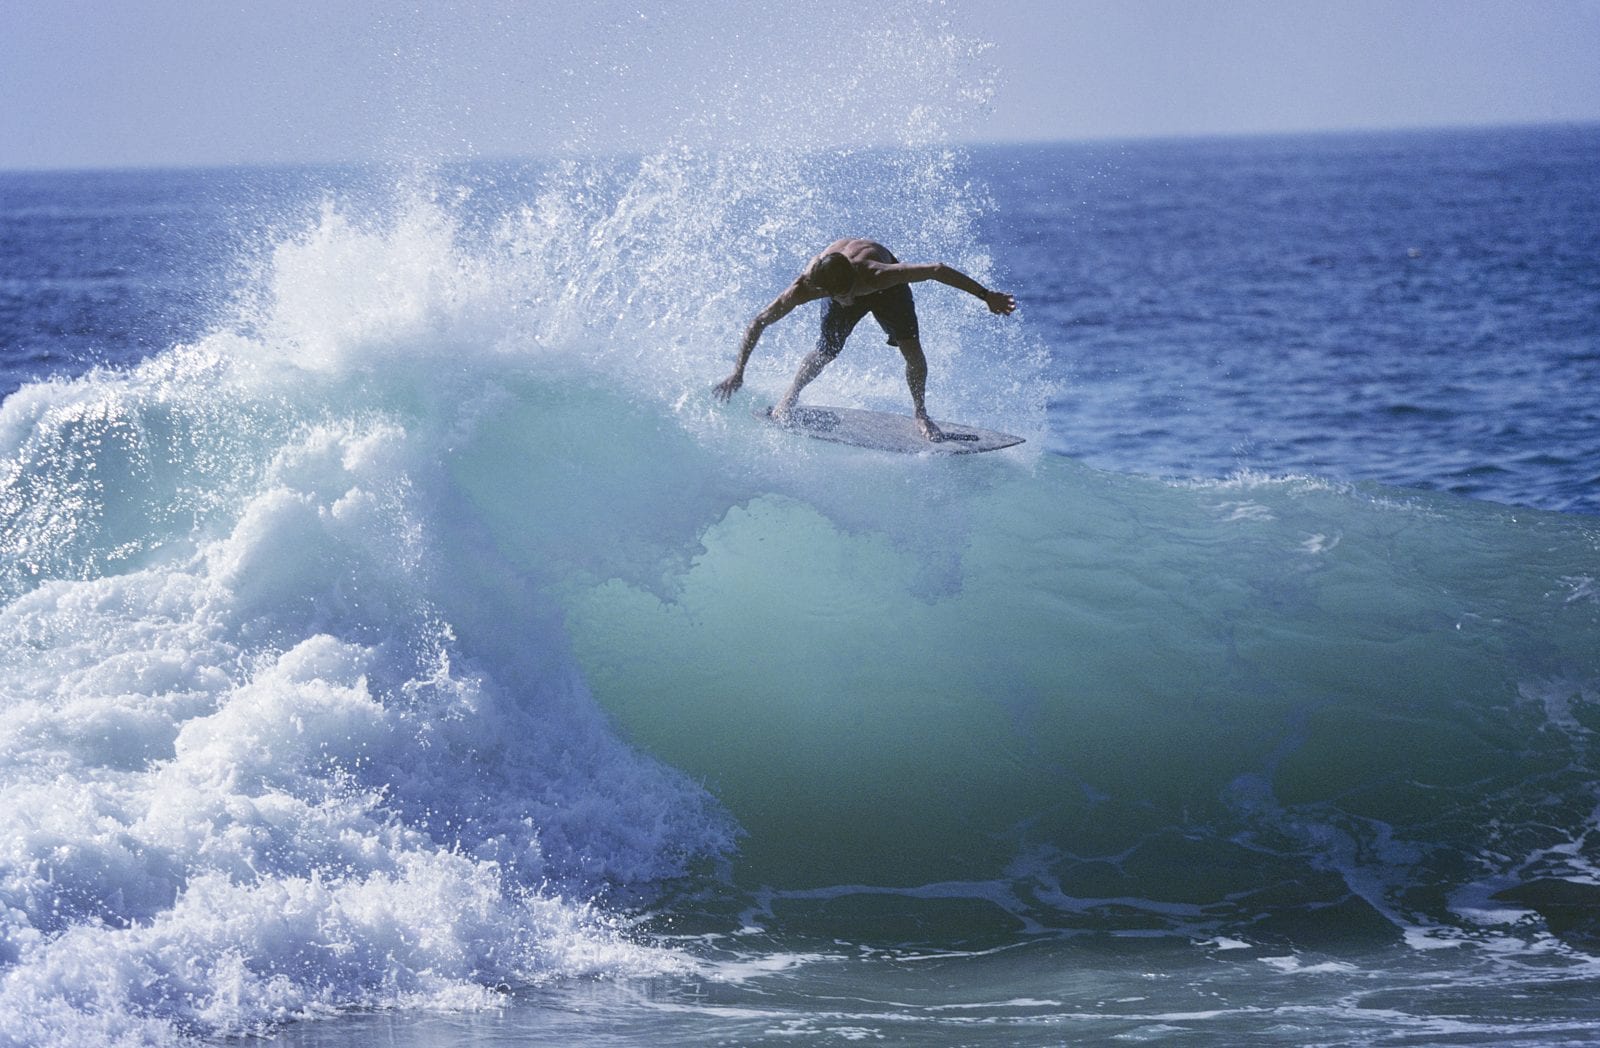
883	431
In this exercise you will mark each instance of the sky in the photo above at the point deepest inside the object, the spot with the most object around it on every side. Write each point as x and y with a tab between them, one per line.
117	83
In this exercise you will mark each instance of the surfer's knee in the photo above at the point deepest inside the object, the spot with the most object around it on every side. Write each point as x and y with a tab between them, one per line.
828	348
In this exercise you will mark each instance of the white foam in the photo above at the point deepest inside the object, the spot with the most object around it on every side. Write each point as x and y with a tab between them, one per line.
254	781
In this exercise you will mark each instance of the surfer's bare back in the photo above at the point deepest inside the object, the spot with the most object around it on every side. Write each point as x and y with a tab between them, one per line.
859	277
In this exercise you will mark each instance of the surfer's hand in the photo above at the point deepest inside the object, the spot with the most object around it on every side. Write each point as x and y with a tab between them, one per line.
728	386
999	302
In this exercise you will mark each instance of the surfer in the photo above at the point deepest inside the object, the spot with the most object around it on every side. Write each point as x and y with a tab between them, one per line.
858	277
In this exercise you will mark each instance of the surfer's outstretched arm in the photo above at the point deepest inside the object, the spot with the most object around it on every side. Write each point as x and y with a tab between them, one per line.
793	295
999	302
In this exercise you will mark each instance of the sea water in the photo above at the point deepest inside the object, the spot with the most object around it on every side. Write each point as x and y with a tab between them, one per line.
399	644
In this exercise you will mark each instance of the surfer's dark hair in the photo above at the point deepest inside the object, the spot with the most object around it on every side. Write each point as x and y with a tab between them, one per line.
832	273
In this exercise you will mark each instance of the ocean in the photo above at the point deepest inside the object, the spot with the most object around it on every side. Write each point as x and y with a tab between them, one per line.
400	645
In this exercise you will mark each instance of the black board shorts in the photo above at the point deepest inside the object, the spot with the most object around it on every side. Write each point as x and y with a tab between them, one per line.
893	309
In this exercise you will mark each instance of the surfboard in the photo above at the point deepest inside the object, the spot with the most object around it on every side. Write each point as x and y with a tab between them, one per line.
883	431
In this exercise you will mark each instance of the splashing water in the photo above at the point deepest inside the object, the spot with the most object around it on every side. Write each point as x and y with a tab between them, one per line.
292	723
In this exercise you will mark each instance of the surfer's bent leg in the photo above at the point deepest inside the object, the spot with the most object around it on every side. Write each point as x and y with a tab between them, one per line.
837	323
917	381
896	312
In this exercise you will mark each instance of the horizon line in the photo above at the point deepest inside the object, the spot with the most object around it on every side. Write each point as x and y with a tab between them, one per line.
999	142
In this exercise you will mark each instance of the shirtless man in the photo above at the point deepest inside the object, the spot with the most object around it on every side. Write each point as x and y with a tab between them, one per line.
859	277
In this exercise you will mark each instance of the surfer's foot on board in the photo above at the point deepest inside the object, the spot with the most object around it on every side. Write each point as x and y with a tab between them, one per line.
782	414
933	434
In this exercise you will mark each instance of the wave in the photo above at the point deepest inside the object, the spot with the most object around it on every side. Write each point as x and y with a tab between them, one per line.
292	718
250	771
386	645
1272	706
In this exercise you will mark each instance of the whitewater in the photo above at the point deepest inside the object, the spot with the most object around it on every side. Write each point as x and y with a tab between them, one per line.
417	650
293	717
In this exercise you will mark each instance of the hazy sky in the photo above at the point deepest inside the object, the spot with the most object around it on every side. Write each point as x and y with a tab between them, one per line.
180	82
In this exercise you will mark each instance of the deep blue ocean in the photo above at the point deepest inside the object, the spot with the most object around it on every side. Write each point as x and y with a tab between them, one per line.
399	644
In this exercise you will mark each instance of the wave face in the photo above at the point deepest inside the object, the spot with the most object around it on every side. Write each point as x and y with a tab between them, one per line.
1265	706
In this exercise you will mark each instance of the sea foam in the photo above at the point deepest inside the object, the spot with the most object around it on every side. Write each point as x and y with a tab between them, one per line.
251	772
